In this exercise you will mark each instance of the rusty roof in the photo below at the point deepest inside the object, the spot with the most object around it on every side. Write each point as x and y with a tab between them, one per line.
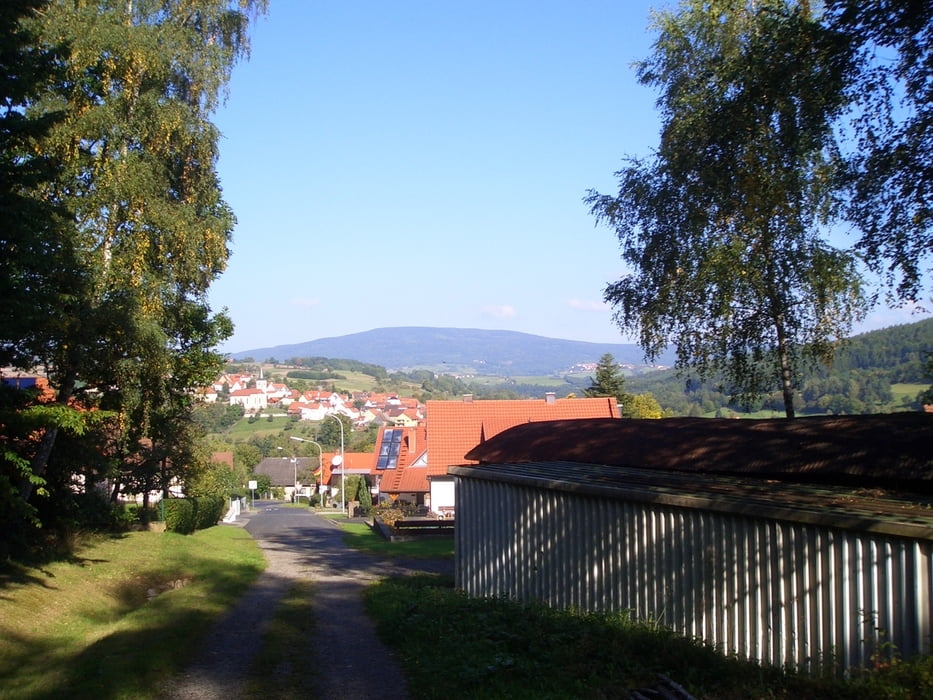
891	451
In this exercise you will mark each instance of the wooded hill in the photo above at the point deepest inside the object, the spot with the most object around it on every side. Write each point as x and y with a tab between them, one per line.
860	380
461	351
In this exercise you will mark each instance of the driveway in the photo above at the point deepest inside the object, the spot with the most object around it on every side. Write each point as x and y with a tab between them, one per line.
348	655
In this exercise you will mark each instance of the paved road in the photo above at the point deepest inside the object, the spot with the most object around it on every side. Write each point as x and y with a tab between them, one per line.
301	545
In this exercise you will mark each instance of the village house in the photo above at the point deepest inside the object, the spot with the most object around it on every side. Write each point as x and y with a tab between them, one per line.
295	475
418	473
252	400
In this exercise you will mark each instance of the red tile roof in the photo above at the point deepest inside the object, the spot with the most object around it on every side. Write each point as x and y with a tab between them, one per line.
456	427
412	446
412	480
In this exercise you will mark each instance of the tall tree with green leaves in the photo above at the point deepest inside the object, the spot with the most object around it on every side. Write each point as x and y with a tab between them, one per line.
37	263
135	158
723	229
608	381
891	182
37	267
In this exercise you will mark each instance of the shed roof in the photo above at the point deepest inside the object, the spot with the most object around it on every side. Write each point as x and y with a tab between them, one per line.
891	451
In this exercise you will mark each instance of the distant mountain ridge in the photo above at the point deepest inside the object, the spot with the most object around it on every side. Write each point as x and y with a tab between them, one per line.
457	350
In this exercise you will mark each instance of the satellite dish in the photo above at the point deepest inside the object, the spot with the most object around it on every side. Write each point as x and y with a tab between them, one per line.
337	461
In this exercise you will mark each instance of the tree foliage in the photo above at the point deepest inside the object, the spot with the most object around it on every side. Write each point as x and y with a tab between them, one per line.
724	228
608	380
120	223
890	180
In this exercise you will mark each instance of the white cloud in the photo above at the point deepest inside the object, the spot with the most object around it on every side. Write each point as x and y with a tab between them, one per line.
500	311
587	305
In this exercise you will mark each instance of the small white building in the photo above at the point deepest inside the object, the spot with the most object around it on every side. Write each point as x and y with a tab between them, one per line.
252	400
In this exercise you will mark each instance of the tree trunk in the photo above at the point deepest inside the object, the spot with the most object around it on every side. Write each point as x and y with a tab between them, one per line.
41	460
787	384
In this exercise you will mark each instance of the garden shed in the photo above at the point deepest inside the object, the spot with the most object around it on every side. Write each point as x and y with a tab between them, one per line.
790	542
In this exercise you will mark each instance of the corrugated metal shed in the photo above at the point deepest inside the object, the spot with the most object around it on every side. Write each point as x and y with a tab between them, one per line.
781	541
848	508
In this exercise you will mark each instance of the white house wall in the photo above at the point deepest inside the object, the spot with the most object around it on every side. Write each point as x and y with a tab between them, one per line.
443	495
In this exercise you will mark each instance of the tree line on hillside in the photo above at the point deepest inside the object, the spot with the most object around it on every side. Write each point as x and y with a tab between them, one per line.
858	382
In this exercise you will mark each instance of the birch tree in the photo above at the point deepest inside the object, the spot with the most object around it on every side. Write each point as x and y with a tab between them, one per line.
890	181
135	154
724	227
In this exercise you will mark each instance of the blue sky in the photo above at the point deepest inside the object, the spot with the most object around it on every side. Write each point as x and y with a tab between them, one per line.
423	163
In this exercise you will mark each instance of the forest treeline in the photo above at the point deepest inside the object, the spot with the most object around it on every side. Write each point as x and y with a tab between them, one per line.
858	381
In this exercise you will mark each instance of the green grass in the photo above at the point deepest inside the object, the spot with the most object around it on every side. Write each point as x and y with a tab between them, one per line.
87	627
453	647
260	427
900	392
362	537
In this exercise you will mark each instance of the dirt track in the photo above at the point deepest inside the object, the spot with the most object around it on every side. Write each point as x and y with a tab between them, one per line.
345	653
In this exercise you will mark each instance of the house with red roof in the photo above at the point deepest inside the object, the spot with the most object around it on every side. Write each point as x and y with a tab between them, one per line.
400	466
252	400
422	455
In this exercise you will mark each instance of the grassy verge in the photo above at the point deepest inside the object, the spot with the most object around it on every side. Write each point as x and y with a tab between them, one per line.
452	646
360	536
287	662
123	613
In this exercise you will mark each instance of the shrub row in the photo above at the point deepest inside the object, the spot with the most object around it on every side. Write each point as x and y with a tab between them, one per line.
185	515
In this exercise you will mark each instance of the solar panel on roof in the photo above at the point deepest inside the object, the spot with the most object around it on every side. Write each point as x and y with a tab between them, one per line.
389	449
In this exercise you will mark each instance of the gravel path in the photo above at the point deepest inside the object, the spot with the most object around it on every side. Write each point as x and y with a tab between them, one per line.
301	545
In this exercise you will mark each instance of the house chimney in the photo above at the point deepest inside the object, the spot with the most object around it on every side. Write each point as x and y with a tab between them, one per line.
550	397
468	398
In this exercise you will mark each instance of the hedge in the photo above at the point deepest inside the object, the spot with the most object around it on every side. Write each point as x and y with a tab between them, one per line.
185	515
179	515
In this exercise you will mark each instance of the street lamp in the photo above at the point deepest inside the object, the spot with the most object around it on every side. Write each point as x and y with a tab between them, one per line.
341	464
320	462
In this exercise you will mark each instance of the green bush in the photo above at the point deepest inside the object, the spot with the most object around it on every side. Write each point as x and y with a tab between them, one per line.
389	511
179	515
124	516
208	510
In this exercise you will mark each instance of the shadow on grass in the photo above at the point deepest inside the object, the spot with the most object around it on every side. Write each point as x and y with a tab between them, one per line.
454	646
151	640
30	569
16	575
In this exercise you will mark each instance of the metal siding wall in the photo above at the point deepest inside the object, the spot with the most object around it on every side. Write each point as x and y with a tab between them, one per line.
779	592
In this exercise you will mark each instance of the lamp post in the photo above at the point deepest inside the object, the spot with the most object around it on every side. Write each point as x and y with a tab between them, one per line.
320	462
342	465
